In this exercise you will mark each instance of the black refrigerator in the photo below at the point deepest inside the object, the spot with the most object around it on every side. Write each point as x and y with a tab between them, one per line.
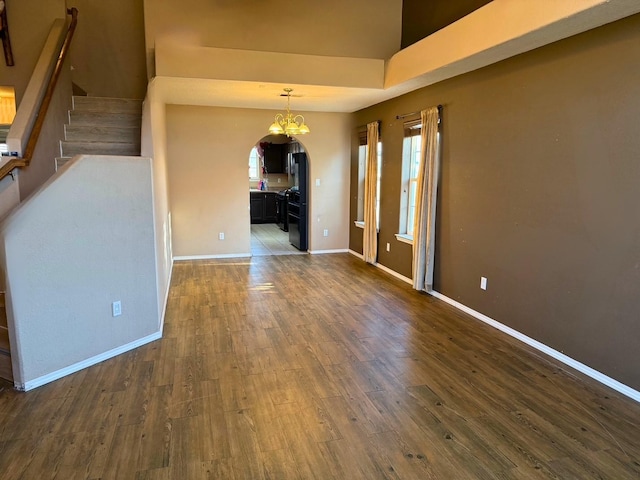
298	203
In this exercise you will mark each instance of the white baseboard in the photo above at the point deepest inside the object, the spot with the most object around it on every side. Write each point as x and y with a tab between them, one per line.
394	274
50	377
384	269
561	357
166	299
322	252
210	257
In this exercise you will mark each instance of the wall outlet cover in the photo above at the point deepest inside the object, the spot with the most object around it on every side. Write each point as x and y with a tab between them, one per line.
116	308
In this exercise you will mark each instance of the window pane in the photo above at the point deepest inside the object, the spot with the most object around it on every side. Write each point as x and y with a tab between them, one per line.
253	164
362	162
379	152
416	141
412	205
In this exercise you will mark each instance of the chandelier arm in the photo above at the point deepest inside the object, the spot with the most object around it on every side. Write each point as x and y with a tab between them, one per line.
288	123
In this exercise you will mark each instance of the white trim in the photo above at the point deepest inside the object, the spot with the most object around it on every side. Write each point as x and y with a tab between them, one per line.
321	252
384	269
166	299
209	257
356	254
394	273
561	357
404	238
359	223
63	372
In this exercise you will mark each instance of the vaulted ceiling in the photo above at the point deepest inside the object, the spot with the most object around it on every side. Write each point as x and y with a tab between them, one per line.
190	72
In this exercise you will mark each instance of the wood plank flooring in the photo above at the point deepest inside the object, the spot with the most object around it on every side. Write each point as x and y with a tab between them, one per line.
318	367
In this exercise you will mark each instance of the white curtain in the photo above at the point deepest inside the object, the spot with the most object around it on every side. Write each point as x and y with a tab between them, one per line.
370	234
424	224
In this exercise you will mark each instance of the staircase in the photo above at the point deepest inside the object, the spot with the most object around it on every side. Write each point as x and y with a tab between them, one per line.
102	126
5	352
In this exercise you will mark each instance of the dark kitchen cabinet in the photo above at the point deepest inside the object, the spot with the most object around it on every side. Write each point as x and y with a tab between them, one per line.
275	158
270	207
263	207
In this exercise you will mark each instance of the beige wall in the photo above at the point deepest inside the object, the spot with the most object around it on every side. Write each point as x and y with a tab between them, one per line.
154	145
108	49
42	164
68	252
29	24
208	150
359	28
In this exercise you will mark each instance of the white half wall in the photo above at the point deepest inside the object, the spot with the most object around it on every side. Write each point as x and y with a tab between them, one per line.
153	146
83	241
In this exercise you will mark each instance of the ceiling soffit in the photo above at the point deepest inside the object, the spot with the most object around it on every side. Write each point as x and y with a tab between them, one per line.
494	32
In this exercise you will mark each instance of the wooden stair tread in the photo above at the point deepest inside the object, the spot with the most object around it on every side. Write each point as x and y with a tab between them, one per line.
5	348
105	119
69	149
107	104
6	370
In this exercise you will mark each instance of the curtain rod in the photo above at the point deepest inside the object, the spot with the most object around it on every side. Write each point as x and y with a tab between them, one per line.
405	115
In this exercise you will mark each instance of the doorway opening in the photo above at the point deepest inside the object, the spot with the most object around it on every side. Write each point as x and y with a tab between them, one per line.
278	196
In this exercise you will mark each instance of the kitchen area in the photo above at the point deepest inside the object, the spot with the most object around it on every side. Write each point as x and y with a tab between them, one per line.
278	197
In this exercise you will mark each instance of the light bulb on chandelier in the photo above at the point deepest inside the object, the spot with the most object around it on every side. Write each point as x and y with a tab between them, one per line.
288	124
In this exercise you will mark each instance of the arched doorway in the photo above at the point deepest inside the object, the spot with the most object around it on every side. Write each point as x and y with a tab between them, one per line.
279	196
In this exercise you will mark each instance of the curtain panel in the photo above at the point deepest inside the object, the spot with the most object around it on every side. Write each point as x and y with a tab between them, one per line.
424	226
370	234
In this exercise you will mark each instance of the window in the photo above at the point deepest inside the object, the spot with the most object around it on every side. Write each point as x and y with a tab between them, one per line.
254	164
362	169
410	166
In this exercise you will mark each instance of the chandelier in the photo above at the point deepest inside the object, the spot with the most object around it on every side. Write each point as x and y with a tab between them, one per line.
288	124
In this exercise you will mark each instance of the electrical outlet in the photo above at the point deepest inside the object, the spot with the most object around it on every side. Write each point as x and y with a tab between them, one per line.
388	247
483	283
116	308
325	233
221	236
317	182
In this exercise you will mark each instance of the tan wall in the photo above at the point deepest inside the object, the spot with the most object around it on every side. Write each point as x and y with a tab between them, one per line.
359	28
108	50
29	25
68	252
42	164
154	146
539	193
208	150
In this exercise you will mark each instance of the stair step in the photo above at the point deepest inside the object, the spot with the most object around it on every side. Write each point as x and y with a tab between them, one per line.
94	133
106	104
105	119
4	340
69	149
6	371
61	162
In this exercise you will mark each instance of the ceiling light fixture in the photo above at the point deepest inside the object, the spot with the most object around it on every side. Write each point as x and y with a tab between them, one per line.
288	124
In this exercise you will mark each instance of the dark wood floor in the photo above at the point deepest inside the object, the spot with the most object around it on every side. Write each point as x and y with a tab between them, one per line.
318	367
